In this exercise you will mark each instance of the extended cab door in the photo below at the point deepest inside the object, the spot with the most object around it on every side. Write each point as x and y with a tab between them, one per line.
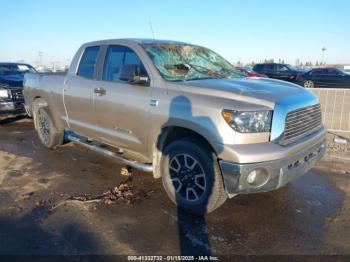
121	108
78	93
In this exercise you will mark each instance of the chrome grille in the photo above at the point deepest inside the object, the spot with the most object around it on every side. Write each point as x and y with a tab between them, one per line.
17	95
302	122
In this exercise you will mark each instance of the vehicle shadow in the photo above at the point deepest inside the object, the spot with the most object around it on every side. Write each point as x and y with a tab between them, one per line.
22	238
9	120
192	229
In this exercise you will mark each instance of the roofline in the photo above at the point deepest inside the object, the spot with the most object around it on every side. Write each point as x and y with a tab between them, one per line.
139	41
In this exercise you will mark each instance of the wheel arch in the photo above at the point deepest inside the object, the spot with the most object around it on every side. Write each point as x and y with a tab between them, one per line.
171	133
38	102
41	102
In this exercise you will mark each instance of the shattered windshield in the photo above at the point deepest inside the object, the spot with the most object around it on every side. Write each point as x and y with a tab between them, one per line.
182	62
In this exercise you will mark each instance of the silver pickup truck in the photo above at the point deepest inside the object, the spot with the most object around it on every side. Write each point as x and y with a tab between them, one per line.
183	113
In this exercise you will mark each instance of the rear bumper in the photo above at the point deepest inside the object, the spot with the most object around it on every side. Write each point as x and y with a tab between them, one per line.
274	174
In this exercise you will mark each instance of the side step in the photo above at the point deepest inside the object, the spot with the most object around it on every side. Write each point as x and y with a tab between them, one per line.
84	142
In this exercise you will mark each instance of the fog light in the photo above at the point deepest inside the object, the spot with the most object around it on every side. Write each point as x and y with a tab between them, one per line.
257	177
251	177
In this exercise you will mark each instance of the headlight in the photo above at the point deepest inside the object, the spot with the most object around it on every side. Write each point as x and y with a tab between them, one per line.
248	121
4	93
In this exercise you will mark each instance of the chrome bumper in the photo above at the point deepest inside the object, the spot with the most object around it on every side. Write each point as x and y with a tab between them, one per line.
11	108
277	172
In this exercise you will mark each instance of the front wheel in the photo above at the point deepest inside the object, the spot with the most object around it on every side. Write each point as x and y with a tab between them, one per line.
191	176
309	84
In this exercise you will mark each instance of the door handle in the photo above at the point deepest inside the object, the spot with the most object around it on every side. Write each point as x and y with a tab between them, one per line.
100	91
153	102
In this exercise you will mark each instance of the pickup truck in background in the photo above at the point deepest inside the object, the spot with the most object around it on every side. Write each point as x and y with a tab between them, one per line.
11	88
183	113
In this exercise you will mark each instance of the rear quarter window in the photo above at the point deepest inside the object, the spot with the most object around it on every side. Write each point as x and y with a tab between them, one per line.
88	62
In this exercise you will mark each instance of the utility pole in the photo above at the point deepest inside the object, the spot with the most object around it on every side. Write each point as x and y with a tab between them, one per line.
323	51
152	31
40	54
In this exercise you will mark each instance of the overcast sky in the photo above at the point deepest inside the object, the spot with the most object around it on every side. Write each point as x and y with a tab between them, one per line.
239	30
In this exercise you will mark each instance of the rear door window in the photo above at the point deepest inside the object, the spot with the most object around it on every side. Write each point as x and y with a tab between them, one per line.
88	62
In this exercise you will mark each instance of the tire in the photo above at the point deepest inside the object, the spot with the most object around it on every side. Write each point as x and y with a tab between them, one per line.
197	186
50	136
309	84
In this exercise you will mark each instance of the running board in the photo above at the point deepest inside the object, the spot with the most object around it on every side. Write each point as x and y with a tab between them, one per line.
118	157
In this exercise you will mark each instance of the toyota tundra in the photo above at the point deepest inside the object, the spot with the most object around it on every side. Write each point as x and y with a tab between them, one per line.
183	113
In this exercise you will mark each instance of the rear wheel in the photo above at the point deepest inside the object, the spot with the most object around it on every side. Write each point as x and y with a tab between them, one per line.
49	134
191	176
309	84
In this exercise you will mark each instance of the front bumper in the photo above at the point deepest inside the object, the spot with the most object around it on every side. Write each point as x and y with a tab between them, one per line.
11	108
276	173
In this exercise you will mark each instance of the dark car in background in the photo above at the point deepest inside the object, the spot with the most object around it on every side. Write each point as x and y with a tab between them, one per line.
278	71
249	72
324	77
11	88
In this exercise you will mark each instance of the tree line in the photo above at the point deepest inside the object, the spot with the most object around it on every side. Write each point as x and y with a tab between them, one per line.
298	63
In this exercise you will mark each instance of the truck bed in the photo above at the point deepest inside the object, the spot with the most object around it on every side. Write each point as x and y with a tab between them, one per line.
42	85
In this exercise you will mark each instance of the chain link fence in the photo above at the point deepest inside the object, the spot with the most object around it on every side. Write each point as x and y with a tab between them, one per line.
335	104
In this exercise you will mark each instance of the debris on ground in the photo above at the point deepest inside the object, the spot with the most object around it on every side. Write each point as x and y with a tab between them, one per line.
24	197
15	173
123	192
126	171
40	204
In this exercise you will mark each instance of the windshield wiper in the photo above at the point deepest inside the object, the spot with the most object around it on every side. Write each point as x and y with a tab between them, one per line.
199	78
207	70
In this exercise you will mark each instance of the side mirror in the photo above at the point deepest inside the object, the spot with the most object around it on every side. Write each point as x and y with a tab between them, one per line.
131	74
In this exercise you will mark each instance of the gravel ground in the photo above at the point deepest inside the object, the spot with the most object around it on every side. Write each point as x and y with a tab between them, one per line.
41	212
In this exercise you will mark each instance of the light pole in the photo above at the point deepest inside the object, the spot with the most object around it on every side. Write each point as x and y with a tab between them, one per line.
40	54
323	50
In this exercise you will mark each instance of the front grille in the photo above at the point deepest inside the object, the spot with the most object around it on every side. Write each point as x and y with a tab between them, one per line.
302	122
17	95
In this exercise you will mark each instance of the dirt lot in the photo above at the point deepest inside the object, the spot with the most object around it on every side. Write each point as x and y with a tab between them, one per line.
40	211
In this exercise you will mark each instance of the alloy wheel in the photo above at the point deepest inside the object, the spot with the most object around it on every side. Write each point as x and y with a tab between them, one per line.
308	84
188	177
